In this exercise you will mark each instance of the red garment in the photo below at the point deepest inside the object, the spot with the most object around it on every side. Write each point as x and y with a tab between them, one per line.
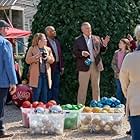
133	45
17	67
13	41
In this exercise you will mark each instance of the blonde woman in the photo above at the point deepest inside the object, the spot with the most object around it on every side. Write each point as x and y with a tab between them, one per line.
130	82
39	56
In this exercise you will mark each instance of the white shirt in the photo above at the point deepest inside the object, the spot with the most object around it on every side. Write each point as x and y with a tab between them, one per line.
54	47
90	46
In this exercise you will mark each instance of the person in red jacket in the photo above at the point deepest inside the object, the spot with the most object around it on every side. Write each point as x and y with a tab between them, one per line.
132	42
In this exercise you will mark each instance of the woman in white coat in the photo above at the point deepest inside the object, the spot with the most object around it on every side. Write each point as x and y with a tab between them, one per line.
130	82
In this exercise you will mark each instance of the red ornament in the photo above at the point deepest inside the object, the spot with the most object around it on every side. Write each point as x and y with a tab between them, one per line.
26	104
23	93
49	104
41	104
53	102
35	104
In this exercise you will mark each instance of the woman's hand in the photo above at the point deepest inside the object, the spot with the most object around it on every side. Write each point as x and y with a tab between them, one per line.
106	40
37	56
130	38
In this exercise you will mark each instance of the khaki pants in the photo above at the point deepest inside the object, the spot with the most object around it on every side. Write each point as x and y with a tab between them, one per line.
94	75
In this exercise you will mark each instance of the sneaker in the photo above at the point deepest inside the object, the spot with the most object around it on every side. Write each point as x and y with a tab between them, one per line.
128	132
9	103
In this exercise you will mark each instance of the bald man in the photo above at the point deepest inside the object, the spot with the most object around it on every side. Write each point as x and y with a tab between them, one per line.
58	65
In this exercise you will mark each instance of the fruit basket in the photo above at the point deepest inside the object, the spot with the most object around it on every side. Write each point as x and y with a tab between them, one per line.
71	115
48	123
101	122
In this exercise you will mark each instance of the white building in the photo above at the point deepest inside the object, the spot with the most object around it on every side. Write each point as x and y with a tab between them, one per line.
20	12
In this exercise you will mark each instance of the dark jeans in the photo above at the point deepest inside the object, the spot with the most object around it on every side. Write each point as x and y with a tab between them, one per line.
135	127
9	97
3	96
119	93
41	92
54	92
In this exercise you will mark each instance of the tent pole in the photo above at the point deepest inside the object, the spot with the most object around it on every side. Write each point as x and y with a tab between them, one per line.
16	48
8	18
10	15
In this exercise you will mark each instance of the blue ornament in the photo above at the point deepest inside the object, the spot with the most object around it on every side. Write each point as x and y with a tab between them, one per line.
40	110
88	61
117	102
99	105
56	109
113	98
109	101
104	100
93	103
113	105
120	106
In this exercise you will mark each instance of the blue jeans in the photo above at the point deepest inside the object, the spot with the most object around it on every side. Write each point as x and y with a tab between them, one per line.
3	96
54	92
119	93
135	127
41	92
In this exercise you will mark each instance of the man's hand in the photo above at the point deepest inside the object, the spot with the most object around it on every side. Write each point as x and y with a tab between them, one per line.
12	89
85	53
106	40
96	40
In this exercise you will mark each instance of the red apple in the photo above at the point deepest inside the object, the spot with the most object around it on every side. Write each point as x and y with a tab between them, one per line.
26	104
53	102
35	104
49	104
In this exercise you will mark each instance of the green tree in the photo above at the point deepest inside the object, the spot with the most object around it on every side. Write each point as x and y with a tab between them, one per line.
116	18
